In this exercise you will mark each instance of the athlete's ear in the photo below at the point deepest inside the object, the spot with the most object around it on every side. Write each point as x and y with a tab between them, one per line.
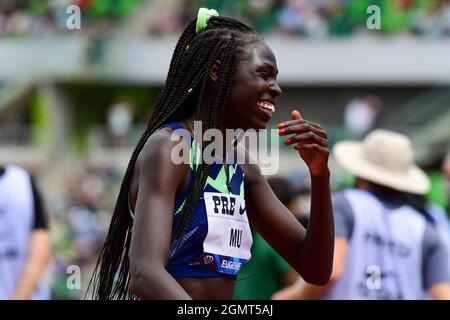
214	71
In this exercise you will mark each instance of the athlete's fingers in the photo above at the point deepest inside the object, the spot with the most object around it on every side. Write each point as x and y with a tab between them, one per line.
312	146
301	128
306	138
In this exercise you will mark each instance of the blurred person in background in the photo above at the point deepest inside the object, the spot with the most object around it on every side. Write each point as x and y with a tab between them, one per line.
361	114
222	74
446	174
432	19
120	120
384	248
79	225
300	190
267	272
435	215
24	240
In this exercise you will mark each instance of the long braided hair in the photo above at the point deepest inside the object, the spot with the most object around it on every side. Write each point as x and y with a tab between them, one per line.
181	96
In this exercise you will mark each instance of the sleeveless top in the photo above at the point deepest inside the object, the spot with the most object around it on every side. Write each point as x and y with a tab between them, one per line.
385	252
16	224
218	240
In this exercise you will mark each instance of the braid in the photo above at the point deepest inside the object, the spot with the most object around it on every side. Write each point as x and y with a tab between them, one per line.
193	57
221	90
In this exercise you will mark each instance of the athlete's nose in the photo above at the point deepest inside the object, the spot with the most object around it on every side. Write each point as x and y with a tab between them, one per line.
275	89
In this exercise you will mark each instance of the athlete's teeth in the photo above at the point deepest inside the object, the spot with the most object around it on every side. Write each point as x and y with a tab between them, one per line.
266	105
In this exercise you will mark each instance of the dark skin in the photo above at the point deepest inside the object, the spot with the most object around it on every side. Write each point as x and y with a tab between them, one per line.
157	181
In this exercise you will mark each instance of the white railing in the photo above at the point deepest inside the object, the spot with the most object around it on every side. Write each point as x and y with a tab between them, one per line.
356	60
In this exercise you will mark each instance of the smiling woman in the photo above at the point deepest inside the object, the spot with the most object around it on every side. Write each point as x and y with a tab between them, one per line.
182	231
255	87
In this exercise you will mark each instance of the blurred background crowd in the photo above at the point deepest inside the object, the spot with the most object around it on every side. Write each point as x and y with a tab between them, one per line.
73	103
305	18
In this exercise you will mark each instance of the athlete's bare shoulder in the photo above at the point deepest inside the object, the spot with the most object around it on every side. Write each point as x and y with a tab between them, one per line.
158	147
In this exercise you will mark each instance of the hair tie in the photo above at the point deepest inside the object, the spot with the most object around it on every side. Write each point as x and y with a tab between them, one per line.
203	16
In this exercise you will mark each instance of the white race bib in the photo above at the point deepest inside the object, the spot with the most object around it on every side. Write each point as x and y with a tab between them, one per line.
229	239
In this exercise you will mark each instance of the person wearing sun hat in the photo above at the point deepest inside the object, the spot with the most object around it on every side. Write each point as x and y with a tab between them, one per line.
385	158
384	248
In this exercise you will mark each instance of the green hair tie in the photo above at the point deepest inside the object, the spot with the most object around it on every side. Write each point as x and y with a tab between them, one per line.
203	17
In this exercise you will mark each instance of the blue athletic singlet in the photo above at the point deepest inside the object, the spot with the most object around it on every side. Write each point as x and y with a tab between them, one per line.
218	240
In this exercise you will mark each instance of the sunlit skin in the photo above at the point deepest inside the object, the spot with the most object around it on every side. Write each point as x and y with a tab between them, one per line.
157	181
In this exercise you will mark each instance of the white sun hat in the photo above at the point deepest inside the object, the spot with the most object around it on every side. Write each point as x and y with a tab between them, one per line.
383	157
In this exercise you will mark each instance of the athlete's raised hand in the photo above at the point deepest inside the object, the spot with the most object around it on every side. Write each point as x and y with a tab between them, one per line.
309	139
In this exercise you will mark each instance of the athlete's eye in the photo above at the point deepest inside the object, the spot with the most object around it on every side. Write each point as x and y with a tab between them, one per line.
264	75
